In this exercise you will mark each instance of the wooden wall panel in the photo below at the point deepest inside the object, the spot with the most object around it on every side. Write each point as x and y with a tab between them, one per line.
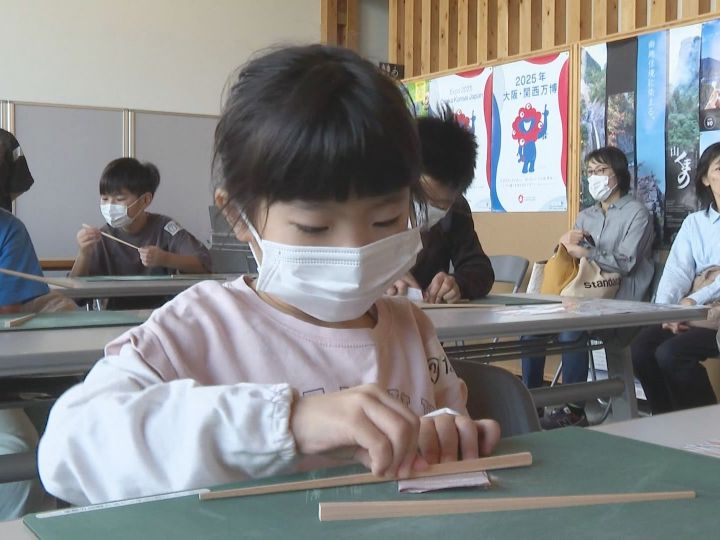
444	34
548	24
483	18
524	26
690	8
429	36
426	37
435	36
626	14
463	27
612	16
473	32
452	34
641	13
561	22
503	22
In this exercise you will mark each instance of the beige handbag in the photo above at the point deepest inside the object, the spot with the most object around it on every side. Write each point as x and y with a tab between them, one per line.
592	282
703	279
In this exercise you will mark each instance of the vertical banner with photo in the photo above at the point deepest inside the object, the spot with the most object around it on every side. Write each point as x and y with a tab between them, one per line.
592	109
650	125
620	88
681	126
469	94
709	84
529	135
418	96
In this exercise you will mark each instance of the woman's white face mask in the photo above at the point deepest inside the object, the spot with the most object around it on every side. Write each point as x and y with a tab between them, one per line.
599	187
334	284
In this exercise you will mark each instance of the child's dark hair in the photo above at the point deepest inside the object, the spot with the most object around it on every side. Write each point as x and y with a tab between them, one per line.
616	160
704	193
314	123
449	150
128	173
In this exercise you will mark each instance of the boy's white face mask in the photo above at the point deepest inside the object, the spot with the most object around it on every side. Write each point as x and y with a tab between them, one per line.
334	284
116	214
426	221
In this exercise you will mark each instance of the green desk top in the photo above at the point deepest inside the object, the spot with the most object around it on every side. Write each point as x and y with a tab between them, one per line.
508	300
567	461
74	319
162	277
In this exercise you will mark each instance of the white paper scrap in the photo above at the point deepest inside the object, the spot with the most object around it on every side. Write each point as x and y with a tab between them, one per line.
479	479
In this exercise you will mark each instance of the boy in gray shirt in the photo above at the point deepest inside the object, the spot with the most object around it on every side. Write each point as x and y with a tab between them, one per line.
127	188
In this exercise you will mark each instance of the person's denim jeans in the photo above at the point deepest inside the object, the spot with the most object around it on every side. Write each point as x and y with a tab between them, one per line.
574	364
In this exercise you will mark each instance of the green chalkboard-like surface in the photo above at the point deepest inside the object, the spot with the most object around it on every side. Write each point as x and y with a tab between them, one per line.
567	461
75	319
512	300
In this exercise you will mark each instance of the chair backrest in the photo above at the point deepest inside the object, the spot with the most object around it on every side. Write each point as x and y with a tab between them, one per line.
509	269
494	392
232	261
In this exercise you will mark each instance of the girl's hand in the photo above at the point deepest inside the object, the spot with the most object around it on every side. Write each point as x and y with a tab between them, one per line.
87	237
153	256
380	430
448	437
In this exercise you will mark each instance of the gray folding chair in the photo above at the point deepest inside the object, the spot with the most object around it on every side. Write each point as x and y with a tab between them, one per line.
509	269
494	392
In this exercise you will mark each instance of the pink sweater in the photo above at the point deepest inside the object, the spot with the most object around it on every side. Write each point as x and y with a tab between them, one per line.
219	365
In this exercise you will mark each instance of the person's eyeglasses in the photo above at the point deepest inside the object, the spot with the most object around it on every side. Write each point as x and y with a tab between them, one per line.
601	171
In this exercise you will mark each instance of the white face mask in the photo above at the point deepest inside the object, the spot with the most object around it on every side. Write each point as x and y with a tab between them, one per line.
334	284
598	187
434	214
116	214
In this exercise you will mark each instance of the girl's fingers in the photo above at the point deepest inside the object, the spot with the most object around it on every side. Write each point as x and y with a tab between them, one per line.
488	433
428	442
390	440
447	434
468	432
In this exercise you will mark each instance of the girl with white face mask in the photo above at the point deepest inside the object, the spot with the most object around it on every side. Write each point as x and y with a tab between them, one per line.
617	233
306	364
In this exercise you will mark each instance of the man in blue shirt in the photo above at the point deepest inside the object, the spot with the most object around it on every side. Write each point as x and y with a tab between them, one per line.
17	253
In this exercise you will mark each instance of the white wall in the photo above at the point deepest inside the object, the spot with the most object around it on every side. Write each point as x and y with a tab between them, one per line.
165	55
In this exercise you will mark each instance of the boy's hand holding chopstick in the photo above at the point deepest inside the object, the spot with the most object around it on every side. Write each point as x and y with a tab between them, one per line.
92	232
87	237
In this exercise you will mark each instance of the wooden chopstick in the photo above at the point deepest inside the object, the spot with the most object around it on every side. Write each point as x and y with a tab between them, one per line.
521	459
111	237
19	321
339	511
42	279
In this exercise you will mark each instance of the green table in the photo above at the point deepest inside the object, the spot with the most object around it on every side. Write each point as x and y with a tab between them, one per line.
568	461
75	319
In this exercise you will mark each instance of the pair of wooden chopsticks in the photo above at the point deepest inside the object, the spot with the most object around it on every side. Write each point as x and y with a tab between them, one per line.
111	237
335	511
